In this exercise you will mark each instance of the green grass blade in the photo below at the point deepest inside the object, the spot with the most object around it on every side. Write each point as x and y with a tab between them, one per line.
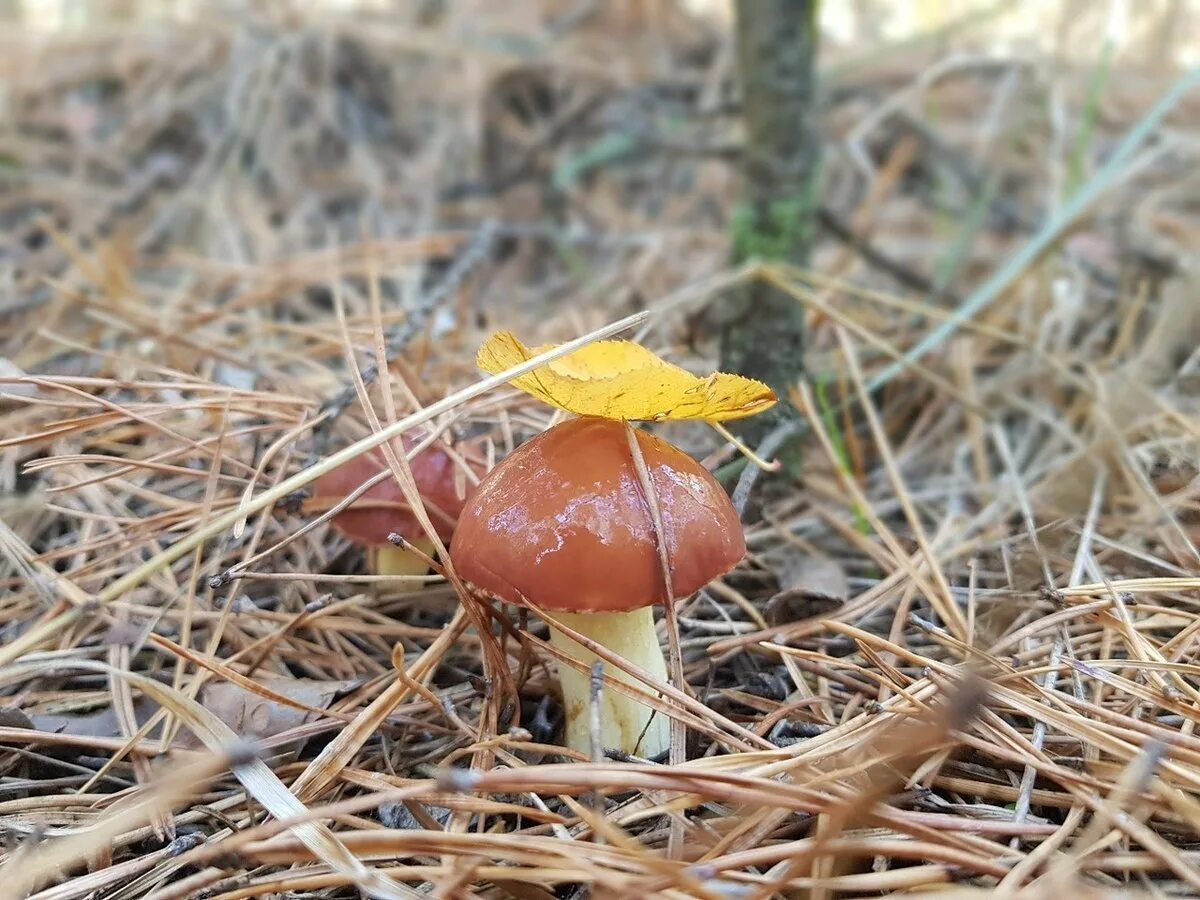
1051	231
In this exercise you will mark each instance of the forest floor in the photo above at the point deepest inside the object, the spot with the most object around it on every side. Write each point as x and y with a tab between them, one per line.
959	656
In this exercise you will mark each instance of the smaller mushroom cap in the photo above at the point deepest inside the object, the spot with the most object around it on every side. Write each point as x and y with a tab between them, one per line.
383	509
563	523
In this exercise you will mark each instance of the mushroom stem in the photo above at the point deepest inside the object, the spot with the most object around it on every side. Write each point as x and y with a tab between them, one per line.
397	561
623	720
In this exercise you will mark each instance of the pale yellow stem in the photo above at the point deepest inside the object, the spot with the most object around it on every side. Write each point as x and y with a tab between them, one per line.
398	562
625	724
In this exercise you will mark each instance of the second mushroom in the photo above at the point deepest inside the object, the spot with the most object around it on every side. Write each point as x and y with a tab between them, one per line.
382	510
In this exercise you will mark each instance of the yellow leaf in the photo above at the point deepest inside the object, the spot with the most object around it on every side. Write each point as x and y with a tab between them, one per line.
623	380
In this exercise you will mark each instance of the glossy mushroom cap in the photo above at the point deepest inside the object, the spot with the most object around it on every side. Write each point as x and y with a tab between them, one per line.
563	523
383	509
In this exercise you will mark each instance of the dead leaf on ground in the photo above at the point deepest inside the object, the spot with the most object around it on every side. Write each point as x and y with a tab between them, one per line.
14	389
100	724
256	718
251	716
810	586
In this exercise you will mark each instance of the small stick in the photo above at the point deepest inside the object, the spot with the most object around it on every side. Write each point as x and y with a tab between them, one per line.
398	540
771	443
772	466
596	687
595	692
1021	809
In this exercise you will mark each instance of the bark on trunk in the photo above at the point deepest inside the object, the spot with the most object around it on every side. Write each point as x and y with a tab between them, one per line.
763	329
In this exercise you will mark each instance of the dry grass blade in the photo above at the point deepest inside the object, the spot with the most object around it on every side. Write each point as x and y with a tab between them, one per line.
678	750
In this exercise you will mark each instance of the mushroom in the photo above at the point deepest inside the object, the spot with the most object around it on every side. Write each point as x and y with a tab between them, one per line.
563	524
382	509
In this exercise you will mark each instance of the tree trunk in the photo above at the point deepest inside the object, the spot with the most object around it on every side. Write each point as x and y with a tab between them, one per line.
763	329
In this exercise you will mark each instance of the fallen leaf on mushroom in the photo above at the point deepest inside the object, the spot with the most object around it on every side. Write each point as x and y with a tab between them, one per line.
625	381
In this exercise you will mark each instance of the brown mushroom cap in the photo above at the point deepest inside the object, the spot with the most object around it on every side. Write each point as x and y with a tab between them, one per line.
563	523
383	509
